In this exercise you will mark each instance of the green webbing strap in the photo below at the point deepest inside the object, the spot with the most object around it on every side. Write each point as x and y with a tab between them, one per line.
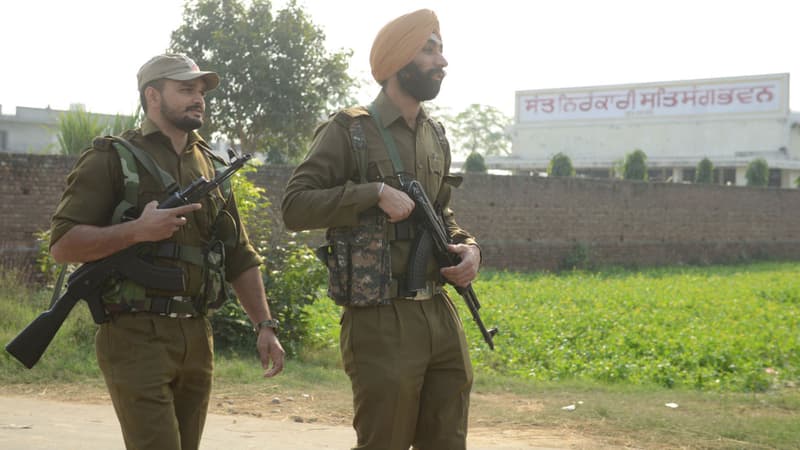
128	155
131	182
391	147
166	180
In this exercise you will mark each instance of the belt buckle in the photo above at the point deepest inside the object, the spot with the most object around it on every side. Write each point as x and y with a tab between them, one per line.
177	315
425	293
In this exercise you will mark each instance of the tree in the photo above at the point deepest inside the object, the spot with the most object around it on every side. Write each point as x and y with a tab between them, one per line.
481	129
475	163
704	172
278	80
635	166
560	166
757	173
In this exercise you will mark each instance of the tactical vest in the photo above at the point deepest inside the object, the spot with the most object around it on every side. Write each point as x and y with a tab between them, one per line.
123	295
358	258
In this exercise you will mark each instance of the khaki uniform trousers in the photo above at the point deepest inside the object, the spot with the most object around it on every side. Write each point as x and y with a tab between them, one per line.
410	372
158	372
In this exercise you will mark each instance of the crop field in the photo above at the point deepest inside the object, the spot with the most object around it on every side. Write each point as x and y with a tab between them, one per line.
720	328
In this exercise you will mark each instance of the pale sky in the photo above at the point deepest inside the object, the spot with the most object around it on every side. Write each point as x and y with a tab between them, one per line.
55	52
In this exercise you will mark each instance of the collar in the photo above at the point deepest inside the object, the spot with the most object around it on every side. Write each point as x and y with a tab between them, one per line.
389	112
149	127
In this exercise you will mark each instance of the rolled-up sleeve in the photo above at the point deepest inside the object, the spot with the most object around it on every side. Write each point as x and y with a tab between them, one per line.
91	193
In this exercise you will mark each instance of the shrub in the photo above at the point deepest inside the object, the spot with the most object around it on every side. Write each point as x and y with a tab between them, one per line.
705	172
577	258
78	127
757	173
635	166
560	166
293	278
293	282
475	163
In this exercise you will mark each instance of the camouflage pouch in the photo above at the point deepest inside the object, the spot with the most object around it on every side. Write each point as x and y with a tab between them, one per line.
118	293
358	262
215	290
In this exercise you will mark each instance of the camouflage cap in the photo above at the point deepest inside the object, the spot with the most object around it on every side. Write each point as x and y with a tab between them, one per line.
174	67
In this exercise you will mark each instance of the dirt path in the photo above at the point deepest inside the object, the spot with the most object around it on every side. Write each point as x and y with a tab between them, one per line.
28	423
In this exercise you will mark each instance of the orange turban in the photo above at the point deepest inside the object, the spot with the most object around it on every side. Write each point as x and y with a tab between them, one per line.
399	41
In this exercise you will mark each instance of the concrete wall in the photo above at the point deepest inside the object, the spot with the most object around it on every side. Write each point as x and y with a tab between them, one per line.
522	223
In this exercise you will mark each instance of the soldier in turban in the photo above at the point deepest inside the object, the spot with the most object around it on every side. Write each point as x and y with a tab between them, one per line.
402	343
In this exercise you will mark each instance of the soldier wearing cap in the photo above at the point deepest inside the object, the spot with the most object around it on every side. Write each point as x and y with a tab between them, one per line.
156	351
404	350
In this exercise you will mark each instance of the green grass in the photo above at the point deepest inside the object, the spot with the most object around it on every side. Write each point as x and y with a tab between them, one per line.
722	342
70	356
722	328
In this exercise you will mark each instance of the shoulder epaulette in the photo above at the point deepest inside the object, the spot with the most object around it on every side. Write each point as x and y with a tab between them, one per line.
103	143
129	134
345	117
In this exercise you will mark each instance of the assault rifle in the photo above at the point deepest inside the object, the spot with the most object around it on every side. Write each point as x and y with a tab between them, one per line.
433	236
86	282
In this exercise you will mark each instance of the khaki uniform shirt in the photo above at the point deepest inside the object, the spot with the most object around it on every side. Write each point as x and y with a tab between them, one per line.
95	187
325	189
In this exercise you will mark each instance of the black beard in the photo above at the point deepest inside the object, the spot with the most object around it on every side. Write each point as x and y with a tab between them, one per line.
180	121
417	84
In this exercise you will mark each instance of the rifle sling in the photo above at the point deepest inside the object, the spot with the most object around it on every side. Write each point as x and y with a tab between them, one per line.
391	146
59	284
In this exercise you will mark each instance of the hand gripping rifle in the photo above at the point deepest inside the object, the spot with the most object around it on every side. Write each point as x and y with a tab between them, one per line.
431	224
87	281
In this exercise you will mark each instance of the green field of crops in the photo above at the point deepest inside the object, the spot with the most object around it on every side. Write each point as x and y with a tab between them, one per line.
720	328
727	328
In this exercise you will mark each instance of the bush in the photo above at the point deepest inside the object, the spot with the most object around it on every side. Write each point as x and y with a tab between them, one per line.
705	172
293	283
757	173
560	166
475	163
293	278
78	127
577	258
635	166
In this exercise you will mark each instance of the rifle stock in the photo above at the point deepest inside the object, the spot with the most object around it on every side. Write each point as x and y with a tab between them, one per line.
86	282
433	224
29	345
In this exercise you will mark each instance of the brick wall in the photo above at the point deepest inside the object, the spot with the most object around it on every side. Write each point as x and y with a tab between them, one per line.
522	223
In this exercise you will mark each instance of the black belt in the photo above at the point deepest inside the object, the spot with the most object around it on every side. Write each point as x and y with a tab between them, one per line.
399	289
176	307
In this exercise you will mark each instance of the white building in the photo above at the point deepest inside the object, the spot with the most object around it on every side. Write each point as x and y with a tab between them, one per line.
35	130
731	121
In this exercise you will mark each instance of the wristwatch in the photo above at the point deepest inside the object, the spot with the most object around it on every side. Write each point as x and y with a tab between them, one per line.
271	323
